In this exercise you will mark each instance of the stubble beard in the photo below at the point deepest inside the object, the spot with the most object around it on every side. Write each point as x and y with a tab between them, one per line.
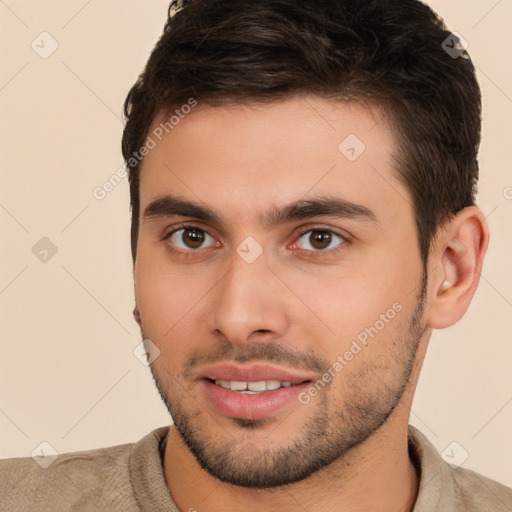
326	437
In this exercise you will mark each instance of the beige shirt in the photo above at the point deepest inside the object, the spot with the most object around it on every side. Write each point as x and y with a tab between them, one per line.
130	478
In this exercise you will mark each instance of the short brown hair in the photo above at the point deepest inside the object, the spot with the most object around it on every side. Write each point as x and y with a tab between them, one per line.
389	52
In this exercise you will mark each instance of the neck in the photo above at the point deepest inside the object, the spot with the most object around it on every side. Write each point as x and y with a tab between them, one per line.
375	475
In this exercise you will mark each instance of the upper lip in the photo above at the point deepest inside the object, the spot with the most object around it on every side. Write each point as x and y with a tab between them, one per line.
252	372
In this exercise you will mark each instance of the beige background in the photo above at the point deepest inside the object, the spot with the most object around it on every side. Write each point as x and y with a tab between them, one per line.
68	375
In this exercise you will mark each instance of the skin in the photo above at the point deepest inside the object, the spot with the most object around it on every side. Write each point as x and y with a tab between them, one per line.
306	301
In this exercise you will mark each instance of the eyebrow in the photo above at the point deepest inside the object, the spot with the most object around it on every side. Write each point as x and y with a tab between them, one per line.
319	206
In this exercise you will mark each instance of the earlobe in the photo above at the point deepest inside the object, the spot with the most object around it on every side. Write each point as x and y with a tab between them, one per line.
458	259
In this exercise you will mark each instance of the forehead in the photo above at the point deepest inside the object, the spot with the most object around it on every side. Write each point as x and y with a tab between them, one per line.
238	158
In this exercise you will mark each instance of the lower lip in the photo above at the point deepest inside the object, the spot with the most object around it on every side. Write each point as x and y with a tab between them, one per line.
251	406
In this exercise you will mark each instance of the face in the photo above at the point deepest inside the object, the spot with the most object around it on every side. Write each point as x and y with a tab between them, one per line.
278	274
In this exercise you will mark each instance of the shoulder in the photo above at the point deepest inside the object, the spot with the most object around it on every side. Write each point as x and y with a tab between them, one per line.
446	487
98	479
479	493
77	480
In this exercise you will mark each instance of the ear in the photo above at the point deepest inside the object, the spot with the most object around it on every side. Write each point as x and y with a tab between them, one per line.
136	314
454	266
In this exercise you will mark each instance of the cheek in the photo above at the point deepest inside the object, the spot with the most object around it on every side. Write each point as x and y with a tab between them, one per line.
165	308
369	297
163	296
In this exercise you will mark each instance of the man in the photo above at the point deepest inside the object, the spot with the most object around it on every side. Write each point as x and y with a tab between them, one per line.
303	181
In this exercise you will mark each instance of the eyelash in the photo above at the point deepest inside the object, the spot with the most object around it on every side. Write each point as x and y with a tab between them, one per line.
195	253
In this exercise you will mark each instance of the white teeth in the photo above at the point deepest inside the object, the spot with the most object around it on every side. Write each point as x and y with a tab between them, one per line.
273	384
257	386
252	387
237	385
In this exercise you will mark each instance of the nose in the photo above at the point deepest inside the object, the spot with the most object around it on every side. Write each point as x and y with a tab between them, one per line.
249	300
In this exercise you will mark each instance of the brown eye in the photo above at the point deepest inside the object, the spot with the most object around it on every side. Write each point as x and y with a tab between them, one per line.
189	238
319	240
192	238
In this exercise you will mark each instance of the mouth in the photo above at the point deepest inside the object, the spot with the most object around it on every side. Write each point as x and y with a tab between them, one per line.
252	388
252	391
